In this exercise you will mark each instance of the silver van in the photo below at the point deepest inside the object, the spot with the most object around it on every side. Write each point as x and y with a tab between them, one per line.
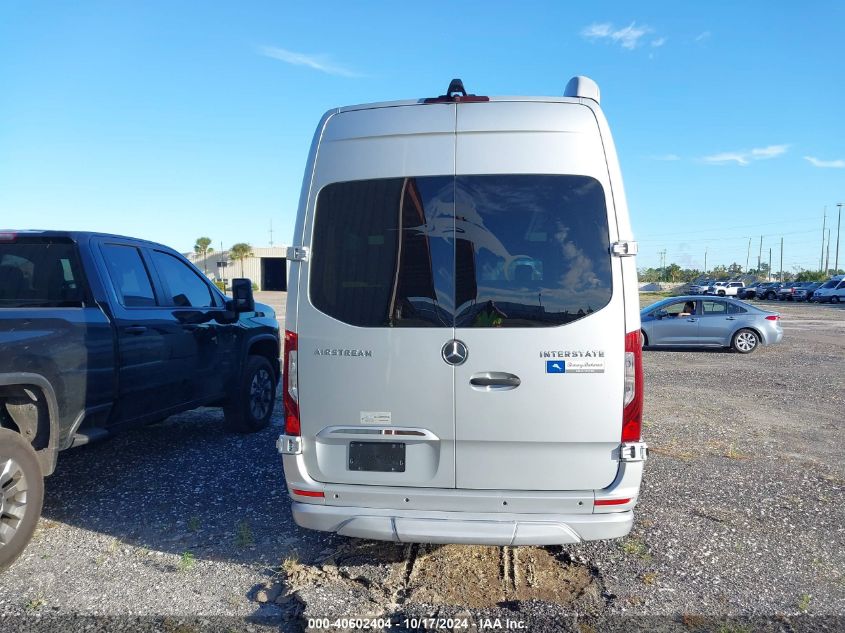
463	354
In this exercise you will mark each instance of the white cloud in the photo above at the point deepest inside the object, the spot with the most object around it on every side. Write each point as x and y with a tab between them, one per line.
627	37
817	162
705	35
770	151
657	43
317	62
667	157
745	157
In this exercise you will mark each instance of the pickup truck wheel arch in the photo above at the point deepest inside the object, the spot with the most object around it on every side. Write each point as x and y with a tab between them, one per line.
46	405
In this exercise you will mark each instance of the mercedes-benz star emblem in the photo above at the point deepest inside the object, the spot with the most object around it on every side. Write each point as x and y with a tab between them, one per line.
455	352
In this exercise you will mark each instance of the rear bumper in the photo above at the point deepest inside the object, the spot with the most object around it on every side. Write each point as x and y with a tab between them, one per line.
416	526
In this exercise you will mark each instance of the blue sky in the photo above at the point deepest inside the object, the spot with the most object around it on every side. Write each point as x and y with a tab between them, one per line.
171	120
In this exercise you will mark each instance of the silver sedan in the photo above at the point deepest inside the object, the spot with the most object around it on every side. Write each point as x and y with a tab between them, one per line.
694	321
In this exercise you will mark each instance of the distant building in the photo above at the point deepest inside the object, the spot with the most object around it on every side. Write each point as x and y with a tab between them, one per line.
268	268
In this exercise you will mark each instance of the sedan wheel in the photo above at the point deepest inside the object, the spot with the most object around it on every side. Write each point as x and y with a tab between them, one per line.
745	341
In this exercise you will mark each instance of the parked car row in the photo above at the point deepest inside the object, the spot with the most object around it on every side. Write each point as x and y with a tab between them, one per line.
832	290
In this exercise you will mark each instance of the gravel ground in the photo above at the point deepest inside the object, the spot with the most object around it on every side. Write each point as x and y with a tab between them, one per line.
740	516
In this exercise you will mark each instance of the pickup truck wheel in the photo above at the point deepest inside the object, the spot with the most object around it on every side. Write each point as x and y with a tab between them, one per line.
250	410
745	341
21	495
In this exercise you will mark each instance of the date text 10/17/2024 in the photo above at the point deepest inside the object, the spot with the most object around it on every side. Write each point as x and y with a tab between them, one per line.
451	624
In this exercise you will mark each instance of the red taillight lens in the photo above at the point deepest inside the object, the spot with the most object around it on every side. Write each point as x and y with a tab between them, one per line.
307	493
291	394
8	237
773	317
632	411
610	502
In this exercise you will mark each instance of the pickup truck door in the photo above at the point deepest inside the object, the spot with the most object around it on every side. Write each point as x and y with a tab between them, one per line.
150	378
202	339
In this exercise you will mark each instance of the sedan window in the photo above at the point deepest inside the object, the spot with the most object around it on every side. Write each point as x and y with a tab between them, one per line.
714	307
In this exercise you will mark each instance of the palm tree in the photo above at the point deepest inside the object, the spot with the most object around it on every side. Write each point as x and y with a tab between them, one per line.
240	252
203	248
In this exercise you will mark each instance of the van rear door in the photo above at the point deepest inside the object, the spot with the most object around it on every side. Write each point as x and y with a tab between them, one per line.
376	404
539	399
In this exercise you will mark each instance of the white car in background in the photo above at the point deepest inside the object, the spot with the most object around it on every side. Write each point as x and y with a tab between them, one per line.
832	290
726	288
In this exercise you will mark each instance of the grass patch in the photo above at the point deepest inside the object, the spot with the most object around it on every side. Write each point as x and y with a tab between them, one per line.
243	537
804	602
35	604
193	524
187	561
649	578
735	453
635	547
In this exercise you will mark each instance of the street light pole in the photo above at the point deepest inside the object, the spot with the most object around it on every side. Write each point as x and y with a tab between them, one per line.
838	222
824	224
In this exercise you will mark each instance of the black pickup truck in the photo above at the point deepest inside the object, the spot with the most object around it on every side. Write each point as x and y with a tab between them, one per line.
99	333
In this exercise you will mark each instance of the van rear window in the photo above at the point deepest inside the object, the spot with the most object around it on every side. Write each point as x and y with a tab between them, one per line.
40	273
466	251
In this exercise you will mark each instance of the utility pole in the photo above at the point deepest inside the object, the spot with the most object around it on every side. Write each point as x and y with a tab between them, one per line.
827	256
781	260
271	232
770	264
705	260
838	222
748	255
760	254
824	221
662	263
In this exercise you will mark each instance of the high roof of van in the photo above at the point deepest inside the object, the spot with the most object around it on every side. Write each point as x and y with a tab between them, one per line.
422	102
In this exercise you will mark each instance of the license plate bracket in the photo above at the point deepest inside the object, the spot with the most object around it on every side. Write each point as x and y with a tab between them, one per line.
381	457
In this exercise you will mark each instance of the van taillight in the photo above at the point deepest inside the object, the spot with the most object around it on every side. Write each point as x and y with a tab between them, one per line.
632	410
291	395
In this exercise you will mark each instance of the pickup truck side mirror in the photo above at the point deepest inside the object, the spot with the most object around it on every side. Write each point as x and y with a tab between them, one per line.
661	314
242	294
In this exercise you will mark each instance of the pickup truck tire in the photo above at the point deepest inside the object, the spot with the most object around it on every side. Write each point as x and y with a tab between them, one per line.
21	495
721	293
252	406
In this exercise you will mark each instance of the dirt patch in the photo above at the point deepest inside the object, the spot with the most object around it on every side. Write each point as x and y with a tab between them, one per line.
482	577
369	578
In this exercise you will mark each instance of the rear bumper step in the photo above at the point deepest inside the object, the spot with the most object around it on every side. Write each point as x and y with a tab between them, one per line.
413	526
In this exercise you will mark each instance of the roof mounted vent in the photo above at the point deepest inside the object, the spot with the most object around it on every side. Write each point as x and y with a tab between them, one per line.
584	87
456	93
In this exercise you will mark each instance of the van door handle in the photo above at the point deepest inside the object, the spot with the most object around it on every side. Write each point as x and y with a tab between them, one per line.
494	381
730	318
135	329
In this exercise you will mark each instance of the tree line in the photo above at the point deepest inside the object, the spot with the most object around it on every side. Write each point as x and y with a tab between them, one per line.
674	273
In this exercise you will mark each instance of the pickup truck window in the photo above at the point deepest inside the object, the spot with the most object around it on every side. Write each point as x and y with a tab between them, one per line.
185	288
129	275
40	273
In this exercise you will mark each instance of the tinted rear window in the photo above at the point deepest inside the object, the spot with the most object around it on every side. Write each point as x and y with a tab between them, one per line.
471	251
40	273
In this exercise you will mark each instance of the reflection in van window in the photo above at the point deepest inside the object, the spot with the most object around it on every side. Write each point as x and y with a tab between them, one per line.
538	247
382	253
471	251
